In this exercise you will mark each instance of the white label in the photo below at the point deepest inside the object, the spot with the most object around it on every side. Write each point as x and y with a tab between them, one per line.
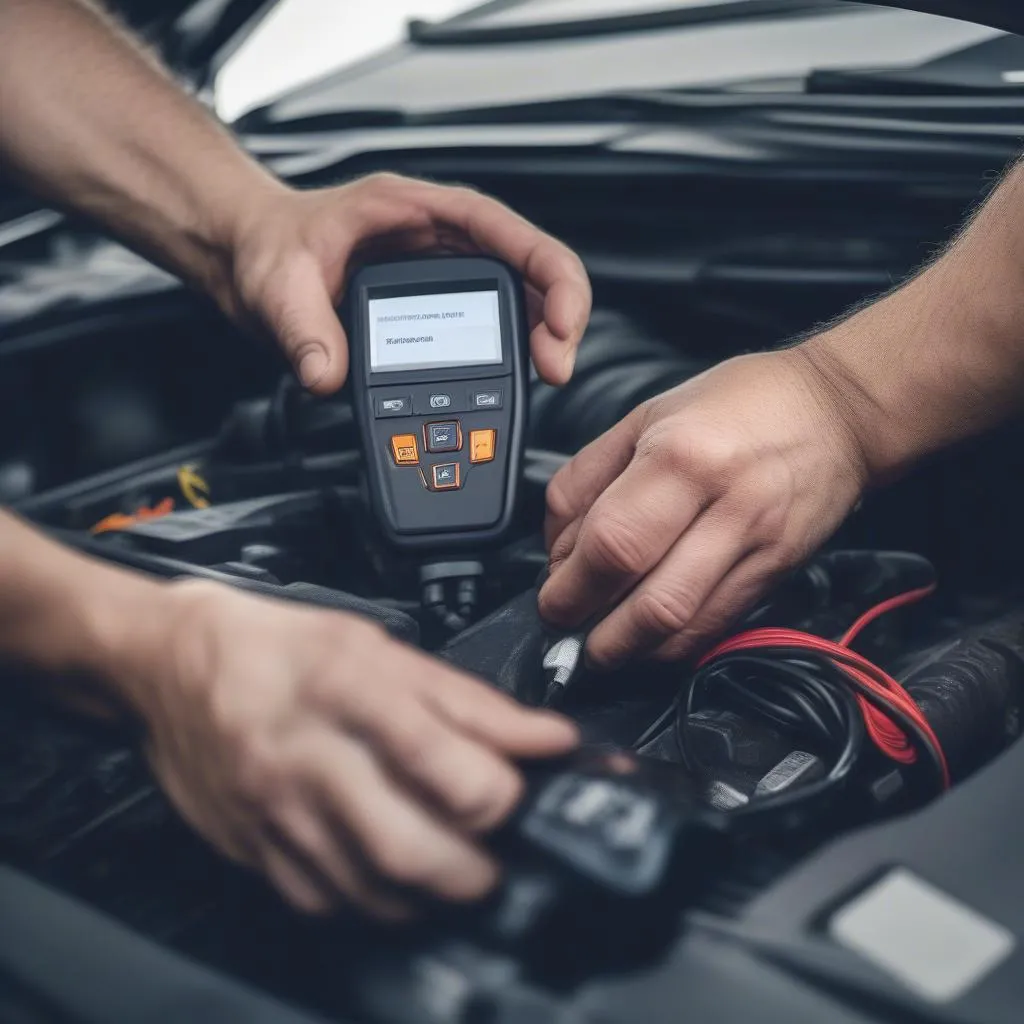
932	943
426	332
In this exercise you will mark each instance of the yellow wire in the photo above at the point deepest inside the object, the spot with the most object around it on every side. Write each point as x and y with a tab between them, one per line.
194	487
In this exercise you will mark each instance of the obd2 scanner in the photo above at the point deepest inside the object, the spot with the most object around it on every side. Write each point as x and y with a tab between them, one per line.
439	349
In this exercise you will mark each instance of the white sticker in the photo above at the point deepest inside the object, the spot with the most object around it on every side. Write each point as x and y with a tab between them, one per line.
931	942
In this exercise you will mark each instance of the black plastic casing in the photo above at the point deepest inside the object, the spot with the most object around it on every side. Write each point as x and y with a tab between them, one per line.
483	509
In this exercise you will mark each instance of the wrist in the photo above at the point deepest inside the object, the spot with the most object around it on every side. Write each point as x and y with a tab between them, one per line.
99	623
911	372
940	359
208	245
855	405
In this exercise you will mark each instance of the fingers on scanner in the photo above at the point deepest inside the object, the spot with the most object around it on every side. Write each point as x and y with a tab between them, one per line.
397	835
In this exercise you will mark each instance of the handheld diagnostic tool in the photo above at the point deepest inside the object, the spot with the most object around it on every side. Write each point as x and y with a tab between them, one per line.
439	357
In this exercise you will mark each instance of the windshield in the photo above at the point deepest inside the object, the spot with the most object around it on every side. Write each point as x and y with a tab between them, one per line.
477	57
301	40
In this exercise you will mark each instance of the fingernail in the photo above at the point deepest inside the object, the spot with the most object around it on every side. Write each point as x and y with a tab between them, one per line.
570	363
312	366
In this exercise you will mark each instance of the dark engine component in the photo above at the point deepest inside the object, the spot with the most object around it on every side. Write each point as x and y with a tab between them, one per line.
970	688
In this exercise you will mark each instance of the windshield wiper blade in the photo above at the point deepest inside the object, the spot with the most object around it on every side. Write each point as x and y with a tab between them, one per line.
465	30
708	107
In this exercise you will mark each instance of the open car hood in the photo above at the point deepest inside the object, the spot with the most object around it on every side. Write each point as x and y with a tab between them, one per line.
1003	14
193	36
485	64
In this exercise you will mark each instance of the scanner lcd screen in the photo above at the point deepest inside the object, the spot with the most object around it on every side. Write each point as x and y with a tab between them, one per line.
429	332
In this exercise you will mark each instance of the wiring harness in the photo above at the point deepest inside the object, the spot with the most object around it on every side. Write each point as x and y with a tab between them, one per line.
824	690
821	692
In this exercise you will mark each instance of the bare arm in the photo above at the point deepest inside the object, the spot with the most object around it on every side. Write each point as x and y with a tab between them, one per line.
303	743
941	358
306	744
90	120
71	616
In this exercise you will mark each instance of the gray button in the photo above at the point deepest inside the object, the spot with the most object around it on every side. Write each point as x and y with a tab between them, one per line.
446	476
393	405
443	437
430	403
486	399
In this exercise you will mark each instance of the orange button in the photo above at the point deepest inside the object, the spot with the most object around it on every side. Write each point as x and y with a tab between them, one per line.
481	445
403	448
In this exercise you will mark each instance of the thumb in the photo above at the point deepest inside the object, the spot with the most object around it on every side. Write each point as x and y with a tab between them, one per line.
300	314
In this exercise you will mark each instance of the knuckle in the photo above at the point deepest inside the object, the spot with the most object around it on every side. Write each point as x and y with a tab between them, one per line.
768	520
398	860
260	779
611	545
556	606
487	799
380	180
468	194
339	640
416	749
665	612
703	455
557	500
786	552
670	450
323	690
561	549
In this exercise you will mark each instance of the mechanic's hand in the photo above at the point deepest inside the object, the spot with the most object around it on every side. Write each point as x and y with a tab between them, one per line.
292	256
312	746
674	521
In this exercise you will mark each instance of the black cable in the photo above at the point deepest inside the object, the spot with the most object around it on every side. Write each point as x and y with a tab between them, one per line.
814	700
772	695
655	728
921	741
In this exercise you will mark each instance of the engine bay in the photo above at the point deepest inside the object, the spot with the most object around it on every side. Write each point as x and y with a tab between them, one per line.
272	502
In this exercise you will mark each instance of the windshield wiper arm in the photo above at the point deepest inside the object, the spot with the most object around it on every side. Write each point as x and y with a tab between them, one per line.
465	30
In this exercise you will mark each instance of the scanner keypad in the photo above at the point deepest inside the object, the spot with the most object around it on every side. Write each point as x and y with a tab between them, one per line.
415	439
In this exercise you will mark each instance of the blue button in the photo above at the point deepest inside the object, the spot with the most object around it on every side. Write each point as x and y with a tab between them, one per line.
444	437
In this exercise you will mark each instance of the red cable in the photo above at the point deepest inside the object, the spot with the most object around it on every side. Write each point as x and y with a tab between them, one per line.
886	735
880	609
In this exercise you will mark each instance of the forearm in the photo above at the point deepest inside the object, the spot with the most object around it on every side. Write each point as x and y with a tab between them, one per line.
94	124
942	358
75	618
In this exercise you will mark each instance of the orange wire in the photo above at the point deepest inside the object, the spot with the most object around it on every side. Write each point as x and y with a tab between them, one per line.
124	520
